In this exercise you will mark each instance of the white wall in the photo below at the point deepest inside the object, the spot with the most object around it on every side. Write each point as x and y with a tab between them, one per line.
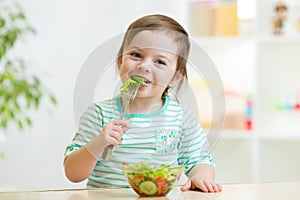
67	32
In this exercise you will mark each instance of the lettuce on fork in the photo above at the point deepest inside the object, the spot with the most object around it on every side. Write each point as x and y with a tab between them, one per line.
133	80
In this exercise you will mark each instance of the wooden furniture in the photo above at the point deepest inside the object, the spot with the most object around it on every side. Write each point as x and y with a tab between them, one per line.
254	191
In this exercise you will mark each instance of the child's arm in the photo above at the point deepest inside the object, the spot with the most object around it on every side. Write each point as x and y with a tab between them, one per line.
80	163
202	177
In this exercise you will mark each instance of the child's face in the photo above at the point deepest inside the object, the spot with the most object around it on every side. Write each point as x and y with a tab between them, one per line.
153	56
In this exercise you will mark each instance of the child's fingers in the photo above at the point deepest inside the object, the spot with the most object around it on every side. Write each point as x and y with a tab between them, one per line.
114	138
208	186
186	186
124	124
202	186
219	187
116	134
118	129
212	187
114	141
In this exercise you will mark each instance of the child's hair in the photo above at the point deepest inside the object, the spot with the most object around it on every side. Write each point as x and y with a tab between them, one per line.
159	22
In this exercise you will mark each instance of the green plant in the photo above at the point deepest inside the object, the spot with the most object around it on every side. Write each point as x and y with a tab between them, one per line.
20	91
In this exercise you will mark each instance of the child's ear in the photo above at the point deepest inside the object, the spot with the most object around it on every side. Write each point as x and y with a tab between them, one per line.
176	79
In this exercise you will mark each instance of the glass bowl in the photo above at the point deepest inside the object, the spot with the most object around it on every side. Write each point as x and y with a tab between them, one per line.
152	181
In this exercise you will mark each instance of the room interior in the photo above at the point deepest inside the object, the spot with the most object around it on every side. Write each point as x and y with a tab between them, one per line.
257	61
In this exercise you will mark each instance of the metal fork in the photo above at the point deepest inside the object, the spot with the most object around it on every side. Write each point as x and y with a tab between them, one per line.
127	97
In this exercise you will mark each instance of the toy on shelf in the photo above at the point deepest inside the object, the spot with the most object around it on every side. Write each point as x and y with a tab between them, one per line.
239	108
249	109
298	19
214	18
290	102
279	19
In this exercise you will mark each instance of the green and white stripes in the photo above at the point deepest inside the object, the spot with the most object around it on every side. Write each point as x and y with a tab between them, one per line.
170	136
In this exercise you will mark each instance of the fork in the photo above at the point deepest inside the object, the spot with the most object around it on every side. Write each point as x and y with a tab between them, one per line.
127	97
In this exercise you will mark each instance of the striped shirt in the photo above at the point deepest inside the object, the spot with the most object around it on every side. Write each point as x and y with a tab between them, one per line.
171	135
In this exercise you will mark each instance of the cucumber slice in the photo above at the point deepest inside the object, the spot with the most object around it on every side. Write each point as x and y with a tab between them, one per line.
148	188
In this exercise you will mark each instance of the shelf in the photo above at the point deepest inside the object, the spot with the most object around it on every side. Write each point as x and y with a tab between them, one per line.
237	134
267	66
272	39
290	136
260	135
230	40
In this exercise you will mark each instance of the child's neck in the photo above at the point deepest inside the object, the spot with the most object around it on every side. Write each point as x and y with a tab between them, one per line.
146	105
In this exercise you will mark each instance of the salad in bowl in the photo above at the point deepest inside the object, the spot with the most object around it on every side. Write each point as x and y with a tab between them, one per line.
148	180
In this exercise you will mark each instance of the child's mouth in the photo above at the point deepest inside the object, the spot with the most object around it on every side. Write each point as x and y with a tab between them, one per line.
145	80
148	82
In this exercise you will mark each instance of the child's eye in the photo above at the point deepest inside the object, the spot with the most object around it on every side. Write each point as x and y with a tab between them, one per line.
160	62
136	55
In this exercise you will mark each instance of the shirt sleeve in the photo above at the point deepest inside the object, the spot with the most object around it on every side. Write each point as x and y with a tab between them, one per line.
193	146
90	125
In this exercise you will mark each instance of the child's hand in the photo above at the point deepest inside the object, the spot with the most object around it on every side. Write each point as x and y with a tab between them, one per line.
113	131
203	184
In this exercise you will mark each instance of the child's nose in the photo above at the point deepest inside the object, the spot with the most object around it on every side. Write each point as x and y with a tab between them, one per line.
144	66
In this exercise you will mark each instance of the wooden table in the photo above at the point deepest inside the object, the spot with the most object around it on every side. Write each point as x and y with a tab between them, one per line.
255	191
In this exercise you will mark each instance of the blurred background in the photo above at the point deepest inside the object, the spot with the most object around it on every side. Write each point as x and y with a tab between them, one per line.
254	44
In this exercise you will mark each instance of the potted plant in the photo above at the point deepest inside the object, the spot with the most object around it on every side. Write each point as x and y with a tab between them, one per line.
20	90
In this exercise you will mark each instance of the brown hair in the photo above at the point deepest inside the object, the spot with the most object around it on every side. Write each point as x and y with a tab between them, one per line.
158	22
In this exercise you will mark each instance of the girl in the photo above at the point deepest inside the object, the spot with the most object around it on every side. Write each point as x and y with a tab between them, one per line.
159	129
